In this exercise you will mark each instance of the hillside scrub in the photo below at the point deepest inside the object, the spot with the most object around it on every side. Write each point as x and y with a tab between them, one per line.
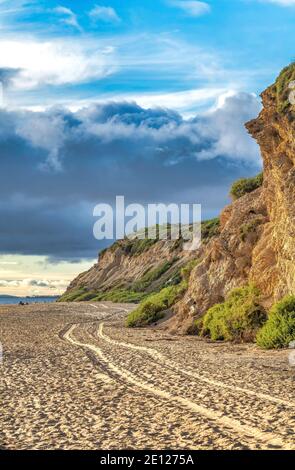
186	271
134	246
86	296
238	318
245	185
119	296
210	228
134	293
282	90
153	307
72	295
152	275
279	330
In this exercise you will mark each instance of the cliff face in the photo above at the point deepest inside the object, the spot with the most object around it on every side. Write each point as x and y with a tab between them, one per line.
257	237
141	266
273	258
255	242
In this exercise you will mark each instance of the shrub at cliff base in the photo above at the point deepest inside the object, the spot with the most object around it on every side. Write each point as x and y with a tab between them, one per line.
279	330
245	185
153	307
237	319
72	296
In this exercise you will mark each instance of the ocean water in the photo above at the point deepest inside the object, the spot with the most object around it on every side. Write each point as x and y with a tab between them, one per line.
7	300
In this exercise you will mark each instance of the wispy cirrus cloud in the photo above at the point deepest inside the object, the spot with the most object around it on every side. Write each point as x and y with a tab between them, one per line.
68	17
191	7
54	62
14	6
12	10
103	13
47	66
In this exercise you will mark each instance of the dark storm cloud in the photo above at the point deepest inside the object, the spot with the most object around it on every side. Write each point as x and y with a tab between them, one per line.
56	165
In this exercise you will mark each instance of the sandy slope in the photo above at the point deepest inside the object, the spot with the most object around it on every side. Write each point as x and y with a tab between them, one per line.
74	377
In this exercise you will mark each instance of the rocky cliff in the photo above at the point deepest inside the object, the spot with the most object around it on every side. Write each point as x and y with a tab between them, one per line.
257	234
129	270
133	268
255	242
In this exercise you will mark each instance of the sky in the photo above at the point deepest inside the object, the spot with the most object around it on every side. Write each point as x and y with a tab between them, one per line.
145	99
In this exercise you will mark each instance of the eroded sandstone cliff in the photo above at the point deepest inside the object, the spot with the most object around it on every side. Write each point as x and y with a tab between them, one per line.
255	242
130	270
257	236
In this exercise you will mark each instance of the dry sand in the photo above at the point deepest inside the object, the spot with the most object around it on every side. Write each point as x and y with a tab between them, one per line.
73	377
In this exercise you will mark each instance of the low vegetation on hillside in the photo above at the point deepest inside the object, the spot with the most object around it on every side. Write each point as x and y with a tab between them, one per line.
209	229
245	185
238	318
152	275
279	330
135	246
282	89
154	306
166	274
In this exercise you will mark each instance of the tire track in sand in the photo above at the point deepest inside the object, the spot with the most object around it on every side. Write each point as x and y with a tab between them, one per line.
108	307
172	365
225	422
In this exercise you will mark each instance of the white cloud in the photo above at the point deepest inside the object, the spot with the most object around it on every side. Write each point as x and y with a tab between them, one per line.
115	127
49	284
60	62
8	263
224	127
185	102
55	62
182	101
69	17
28	286
102	13
191	7
13	6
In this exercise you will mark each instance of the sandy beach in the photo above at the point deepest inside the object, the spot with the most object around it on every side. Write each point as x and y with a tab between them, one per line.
73	377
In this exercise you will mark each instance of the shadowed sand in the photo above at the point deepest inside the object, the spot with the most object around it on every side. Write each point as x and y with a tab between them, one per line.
73	377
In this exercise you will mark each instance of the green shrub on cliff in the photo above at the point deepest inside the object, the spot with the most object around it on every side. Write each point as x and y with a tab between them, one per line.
134	246
119	296
86	296
152	275
209	229
279	330
186	271
282	89
153	307
73	295
236	319
246	185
